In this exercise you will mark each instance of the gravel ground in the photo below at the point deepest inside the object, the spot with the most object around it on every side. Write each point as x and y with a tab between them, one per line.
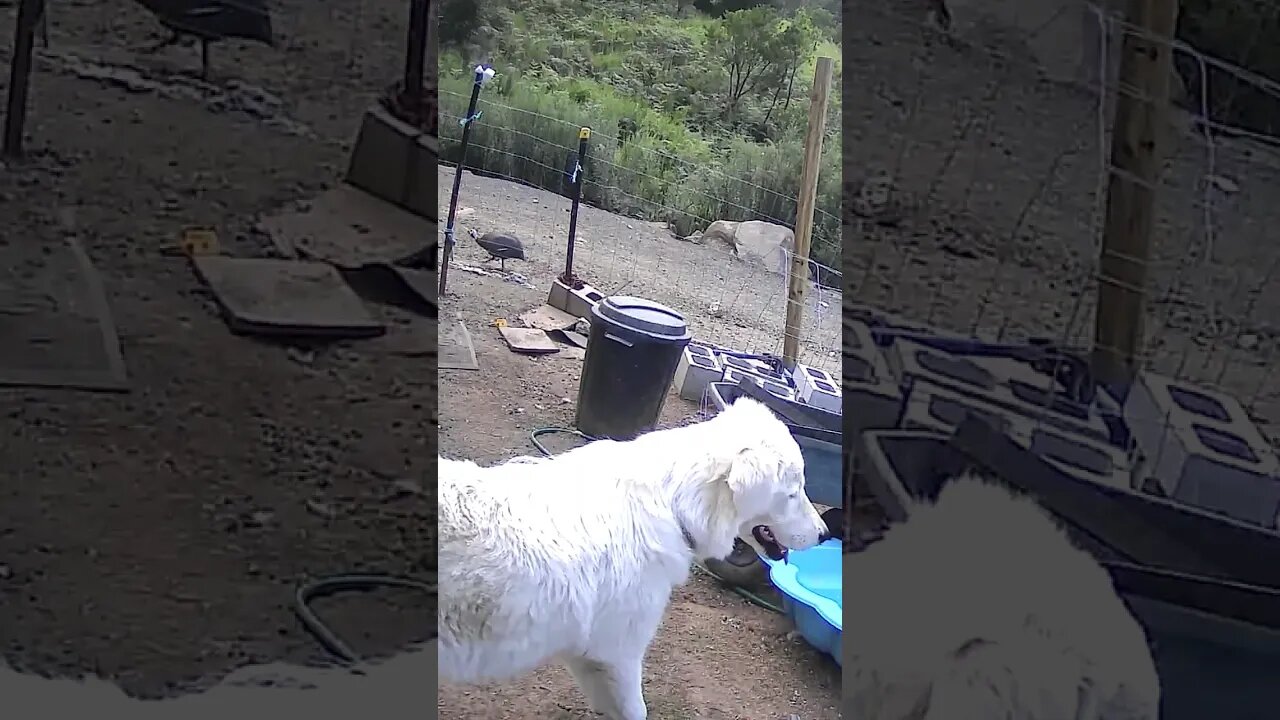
726	300
157	537
716	656
995	192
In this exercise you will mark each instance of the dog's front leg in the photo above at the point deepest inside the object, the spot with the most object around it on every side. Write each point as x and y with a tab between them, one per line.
613	688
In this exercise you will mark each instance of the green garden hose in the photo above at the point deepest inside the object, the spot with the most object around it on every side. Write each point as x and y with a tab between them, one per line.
343	583
745	594
533	436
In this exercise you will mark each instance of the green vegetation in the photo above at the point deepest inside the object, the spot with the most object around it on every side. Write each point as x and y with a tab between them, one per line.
698	112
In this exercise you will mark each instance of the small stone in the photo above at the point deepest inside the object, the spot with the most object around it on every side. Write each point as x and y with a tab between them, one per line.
1225	184
402	488
315	507
258	518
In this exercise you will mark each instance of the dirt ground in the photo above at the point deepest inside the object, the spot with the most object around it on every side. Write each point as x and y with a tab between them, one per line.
157	537
724	299
994	221
716	656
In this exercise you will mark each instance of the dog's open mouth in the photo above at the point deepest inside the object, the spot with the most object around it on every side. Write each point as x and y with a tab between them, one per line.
768	543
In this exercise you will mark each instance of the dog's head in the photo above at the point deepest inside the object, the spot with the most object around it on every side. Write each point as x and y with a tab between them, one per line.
759	471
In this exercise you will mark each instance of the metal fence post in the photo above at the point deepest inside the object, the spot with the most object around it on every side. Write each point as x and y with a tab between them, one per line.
24	38
483	74
584	136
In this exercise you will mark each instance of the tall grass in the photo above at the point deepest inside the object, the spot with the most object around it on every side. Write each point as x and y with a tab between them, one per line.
664	172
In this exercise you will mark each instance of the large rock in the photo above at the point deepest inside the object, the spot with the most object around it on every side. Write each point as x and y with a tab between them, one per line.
1065	40
1062	37
722	234
758	242
765	243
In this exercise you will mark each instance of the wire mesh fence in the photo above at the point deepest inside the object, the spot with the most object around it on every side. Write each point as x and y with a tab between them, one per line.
977	166
641	231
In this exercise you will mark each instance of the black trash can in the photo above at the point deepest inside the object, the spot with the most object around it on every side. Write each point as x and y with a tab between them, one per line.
632	354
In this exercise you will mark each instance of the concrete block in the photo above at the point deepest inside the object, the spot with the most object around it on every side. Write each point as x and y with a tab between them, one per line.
577	302
394	161
1080	456
863	360
1200	447
698	367
868	389
421	177
1005	382
771	386
938	408
910	361
1037	395
816	387
752	366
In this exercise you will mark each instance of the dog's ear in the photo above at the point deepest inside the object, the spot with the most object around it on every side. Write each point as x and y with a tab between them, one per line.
714	504
747	479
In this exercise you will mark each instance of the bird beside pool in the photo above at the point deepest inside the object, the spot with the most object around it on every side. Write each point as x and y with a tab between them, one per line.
500	246
210	21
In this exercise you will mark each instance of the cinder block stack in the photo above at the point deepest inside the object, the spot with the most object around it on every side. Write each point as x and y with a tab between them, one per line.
1200	447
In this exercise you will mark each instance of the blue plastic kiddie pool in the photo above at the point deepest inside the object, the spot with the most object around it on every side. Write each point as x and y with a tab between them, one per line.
810	582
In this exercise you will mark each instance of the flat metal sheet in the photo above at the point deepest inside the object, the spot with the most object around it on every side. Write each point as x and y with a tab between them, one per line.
56	326
267	296
456	350
530	341
348	227
548	318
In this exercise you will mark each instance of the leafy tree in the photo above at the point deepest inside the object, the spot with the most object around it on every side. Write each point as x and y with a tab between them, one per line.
460	20
465	23
798	38
752	47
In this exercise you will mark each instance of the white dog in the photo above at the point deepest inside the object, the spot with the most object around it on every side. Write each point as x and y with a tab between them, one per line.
316	694
573	558
979	606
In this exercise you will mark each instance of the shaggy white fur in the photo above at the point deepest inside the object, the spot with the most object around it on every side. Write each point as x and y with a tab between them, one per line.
979	606
314	694
574	557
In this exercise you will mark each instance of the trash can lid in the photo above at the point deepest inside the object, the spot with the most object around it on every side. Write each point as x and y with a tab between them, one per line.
644	315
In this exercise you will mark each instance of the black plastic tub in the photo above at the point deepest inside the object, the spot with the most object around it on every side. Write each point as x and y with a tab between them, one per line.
632	354
722	394
1216	642
822	449
1141	528
1113	523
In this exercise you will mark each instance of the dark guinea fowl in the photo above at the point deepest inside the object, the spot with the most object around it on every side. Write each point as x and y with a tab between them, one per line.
210	21
500	246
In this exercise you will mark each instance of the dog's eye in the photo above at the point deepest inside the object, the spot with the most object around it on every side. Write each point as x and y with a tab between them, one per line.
793	496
